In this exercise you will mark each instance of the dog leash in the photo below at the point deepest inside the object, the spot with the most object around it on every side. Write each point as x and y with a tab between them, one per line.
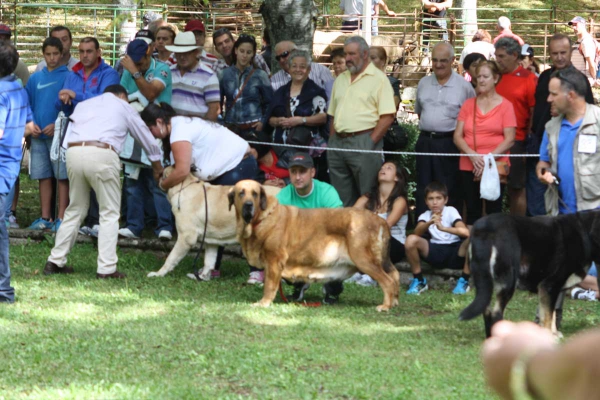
197	270
183	187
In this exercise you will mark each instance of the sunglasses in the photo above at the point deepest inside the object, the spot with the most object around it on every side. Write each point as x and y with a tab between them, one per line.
282	55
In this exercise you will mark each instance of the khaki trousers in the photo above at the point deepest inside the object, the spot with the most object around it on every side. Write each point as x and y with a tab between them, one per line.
88	168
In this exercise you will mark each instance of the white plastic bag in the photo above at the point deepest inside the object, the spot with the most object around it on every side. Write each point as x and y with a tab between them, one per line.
490	180
60	128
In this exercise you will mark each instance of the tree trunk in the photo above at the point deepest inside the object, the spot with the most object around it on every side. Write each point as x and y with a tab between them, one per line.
293	20
469	18
126	25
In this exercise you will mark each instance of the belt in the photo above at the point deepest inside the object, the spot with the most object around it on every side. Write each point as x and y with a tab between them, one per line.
93	143
245	127
345	135
437	135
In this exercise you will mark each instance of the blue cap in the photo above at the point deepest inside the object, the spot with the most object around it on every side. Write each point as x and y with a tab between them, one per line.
137	49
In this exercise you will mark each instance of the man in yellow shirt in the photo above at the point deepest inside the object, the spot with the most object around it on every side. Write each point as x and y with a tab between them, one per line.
362	109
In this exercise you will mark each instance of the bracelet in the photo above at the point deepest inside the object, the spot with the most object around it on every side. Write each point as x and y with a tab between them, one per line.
518	376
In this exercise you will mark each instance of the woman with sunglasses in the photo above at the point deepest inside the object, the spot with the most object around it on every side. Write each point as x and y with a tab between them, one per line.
246	90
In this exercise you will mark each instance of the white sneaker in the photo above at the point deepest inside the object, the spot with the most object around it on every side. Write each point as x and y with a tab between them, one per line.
256	278
582	294
366	280
354	278
12	221
86	230
164	235
126	232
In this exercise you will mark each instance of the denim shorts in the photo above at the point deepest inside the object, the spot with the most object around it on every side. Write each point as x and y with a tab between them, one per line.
593	271
40	164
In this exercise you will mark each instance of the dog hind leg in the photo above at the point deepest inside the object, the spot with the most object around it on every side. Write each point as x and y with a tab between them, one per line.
182	247
210	259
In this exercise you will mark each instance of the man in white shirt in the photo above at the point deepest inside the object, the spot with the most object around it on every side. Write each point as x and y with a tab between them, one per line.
94	140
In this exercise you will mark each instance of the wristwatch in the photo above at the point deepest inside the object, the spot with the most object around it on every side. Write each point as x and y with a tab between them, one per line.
137	75
303	120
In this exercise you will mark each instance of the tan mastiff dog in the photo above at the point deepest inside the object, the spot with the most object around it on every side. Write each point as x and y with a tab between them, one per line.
187	203
311	245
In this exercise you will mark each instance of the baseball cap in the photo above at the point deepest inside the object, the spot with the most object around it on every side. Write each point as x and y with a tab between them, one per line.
145	35
137	49
576	20
527	50
5	30
301	159
194	25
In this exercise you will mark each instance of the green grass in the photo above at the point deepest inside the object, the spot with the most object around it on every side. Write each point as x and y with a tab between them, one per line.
74	336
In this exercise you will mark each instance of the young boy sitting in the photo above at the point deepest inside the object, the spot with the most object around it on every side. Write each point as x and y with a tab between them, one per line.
446	247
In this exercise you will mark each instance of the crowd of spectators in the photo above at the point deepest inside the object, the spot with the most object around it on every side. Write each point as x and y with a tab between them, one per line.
205	108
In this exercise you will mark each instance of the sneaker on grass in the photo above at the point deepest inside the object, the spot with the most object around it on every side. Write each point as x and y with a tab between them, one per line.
582	294
126	232
354	278
462	286
417	287
256	278
56	225
366	280
40	224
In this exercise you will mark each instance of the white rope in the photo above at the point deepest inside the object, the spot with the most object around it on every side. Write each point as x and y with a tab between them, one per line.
405	153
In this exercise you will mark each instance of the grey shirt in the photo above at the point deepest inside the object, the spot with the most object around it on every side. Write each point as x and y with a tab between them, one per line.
438	105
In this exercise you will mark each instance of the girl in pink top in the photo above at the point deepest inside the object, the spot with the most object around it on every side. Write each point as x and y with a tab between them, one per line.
495	125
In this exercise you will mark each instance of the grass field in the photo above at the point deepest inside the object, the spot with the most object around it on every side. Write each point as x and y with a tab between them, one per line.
75	337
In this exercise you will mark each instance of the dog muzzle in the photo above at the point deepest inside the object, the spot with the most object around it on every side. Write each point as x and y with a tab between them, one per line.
248	211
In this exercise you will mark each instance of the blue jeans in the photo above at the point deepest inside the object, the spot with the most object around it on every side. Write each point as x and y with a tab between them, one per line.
7	293
139	190
8	201
535	190
246	169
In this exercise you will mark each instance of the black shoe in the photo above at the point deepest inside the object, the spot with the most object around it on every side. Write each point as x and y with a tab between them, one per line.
114	275
330	300
51	269
299	289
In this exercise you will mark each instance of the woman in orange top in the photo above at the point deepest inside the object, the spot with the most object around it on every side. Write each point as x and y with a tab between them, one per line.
493	118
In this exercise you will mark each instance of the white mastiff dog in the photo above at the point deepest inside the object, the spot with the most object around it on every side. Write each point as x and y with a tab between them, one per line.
188	205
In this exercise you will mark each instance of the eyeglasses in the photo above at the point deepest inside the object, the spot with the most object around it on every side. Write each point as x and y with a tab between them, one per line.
282	55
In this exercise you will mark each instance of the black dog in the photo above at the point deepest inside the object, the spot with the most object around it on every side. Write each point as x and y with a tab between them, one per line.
546	254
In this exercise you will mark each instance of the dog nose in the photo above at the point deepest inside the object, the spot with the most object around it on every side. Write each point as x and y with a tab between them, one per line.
248	204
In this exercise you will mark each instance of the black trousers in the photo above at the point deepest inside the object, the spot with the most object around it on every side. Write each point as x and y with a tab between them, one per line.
442	169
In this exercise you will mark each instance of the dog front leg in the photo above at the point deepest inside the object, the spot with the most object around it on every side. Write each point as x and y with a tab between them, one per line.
272	281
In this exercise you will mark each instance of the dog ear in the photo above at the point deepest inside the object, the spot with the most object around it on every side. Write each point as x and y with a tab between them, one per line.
263	199
231	196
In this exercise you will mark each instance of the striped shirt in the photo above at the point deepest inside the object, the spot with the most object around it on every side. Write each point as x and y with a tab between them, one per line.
208	59
318	73
194	90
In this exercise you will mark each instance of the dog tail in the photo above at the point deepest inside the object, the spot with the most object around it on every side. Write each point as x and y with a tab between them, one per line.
484	281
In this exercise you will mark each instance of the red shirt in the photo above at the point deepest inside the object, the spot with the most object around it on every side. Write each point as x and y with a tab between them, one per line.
274	171
518	87
489	128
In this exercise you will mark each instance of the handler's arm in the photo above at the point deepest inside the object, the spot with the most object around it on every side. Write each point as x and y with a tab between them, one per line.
545	177
182	155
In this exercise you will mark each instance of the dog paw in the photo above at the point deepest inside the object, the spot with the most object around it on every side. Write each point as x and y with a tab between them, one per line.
395	303
154	274
262	304
382	308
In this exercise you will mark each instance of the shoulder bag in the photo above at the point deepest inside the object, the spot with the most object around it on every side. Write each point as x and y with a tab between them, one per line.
300	135
502	166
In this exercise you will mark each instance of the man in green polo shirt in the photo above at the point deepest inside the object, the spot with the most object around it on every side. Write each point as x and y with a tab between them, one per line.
306	192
